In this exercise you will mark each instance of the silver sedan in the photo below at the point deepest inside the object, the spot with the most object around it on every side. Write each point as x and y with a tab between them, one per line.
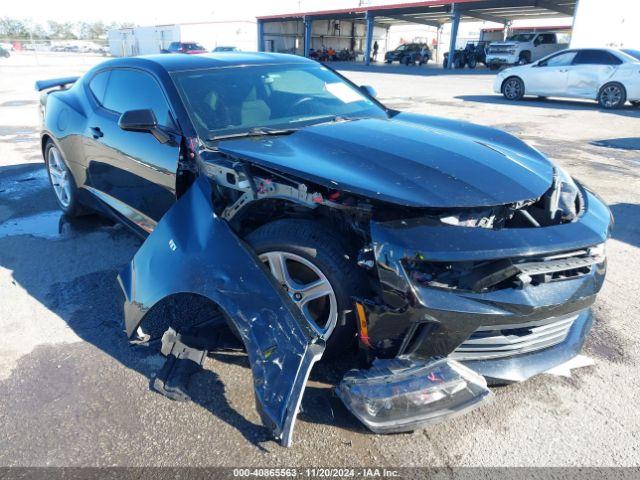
609	76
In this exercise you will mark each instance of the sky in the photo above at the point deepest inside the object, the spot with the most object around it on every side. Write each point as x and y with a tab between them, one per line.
146	12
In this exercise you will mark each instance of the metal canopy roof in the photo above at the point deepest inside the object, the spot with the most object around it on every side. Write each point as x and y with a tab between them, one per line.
438	12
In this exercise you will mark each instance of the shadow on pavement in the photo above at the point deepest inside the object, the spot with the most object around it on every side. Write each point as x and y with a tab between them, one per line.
497	99
626	227
629	143
85	255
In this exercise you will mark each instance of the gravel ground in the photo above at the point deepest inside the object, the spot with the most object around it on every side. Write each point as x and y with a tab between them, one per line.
76	394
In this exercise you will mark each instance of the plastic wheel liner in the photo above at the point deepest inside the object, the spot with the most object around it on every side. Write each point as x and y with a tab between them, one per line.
193	251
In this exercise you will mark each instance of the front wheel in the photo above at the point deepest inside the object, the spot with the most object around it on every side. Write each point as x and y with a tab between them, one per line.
472	63
612	95
513	88
317	271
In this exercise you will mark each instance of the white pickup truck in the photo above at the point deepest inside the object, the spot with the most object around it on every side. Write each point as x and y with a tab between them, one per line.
522	48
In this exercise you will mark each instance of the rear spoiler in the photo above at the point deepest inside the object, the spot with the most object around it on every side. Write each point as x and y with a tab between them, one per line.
54	82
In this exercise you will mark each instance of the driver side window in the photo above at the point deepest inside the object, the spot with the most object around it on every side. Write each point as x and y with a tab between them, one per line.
560	60
130	89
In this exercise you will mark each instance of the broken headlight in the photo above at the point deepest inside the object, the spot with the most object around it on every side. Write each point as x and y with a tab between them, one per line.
564	198
402	394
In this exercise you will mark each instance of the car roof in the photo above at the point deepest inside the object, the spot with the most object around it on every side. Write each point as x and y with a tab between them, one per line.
174	62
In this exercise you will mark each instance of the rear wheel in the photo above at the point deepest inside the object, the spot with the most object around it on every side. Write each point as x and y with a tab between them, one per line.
318	273
612	95
64	186
513	88
472	63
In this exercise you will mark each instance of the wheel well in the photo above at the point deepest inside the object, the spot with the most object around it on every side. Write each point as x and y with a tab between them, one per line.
509	78
265	211
43	143
177	311
612	83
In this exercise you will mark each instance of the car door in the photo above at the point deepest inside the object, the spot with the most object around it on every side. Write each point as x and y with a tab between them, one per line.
545	45
548	77
590	70
132	172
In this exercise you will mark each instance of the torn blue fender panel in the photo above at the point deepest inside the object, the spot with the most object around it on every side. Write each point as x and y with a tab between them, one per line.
193	251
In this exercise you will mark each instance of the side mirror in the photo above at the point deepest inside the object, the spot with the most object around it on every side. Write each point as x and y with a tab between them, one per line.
368	90
142	121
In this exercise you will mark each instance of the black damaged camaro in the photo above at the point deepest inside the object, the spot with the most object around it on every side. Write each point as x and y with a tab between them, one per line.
309	215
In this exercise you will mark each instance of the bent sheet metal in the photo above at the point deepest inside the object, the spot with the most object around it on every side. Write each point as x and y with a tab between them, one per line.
193	251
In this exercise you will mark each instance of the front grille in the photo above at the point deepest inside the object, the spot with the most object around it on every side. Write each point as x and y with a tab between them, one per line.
500	341
502	50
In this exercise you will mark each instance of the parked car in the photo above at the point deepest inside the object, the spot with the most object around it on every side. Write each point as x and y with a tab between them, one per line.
409	54
185	47
8	46
606	75
4	53
307	215
225	49
522	48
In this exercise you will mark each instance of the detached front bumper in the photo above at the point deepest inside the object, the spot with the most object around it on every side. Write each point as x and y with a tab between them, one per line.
506	334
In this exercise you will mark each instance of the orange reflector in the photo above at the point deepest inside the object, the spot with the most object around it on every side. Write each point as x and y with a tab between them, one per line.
362	321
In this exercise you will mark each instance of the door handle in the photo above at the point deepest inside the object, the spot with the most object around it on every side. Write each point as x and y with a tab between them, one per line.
96	132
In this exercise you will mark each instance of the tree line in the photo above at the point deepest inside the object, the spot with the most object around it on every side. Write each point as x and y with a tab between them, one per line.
20	29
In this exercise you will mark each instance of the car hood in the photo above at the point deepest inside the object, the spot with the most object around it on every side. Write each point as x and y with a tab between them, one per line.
409	160
504	44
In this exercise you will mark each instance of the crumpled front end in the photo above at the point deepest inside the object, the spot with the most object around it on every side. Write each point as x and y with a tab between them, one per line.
509	303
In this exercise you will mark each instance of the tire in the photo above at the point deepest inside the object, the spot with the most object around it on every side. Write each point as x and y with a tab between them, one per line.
406	61
305	245
62	181
472	63
635	103
513	88
612	95
458	62
445	62
524	58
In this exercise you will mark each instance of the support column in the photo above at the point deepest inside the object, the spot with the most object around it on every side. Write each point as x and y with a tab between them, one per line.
308	24
369	37
260	36
455	21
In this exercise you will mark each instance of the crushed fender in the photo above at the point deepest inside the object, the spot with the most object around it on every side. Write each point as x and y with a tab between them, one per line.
193	251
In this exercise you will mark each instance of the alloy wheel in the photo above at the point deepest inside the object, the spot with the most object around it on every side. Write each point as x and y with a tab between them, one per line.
308	287
512	89
611	96
59	177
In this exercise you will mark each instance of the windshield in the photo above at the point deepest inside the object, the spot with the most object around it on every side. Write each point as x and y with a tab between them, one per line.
634	53
521	37
227	101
